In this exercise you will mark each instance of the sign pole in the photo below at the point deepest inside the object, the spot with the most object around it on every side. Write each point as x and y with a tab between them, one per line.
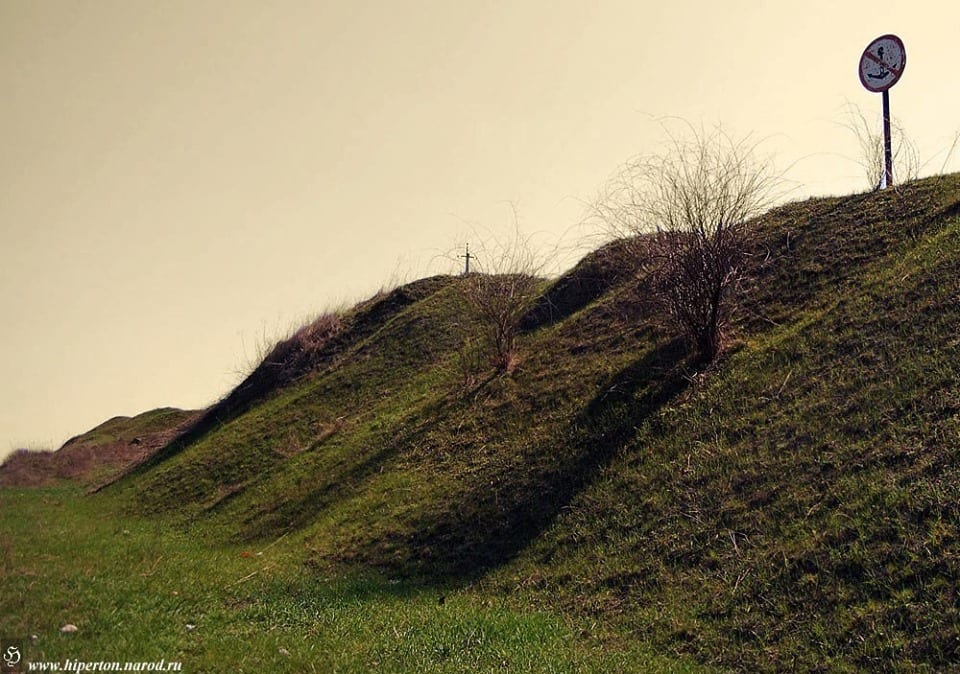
887	143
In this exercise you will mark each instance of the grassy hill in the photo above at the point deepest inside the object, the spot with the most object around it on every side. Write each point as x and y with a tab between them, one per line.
798	506
794	505
99	455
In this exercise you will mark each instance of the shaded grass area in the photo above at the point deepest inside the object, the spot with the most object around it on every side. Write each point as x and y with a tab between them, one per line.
138	591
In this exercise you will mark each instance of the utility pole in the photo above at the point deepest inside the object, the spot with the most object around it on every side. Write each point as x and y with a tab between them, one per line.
467	257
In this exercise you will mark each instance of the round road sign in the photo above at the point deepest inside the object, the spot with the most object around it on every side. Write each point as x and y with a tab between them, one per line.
882	63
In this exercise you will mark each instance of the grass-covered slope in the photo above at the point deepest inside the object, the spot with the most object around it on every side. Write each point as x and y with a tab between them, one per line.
794	505
798	505
99	455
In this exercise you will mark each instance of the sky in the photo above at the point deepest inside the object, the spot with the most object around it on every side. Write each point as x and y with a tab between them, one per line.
184	181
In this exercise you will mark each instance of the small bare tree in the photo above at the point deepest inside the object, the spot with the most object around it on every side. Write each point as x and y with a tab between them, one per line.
688	209
501	292
500	302
869	135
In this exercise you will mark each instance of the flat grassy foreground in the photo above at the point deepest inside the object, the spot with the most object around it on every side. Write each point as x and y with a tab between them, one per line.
138	590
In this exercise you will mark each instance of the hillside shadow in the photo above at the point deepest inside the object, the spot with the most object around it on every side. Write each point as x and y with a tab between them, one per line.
499	514
337	483
595	275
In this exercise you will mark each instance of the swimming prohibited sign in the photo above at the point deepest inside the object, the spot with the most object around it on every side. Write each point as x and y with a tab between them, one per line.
882	63
881	66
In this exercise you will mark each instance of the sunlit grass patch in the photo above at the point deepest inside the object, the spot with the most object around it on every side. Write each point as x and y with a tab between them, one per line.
140	590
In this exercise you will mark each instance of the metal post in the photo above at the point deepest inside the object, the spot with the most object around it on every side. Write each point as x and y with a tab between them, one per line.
887	144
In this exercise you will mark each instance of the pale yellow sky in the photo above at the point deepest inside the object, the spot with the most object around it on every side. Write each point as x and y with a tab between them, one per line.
182	179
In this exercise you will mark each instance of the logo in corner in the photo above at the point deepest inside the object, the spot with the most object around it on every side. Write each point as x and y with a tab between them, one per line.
12	657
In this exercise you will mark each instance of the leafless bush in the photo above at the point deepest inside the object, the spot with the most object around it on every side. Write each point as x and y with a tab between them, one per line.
500	294
688	208
500	301
869	135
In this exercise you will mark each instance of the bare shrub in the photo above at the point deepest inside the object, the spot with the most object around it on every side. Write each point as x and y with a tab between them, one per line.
500	302
688	209
500	294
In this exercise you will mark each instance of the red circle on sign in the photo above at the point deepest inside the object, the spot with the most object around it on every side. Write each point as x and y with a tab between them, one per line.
882	63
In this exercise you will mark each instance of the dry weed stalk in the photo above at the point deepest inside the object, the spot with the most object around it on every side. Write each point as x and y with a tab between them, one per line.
869	135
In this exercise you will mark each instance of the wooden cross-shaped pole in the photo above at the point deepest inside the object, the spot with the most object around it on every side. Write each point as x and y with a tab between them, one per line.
467	257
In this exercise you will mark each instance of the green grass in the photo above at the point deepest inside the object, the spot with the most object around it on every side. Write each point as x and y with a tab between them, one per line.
793	506
797	506
127	428
133	586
